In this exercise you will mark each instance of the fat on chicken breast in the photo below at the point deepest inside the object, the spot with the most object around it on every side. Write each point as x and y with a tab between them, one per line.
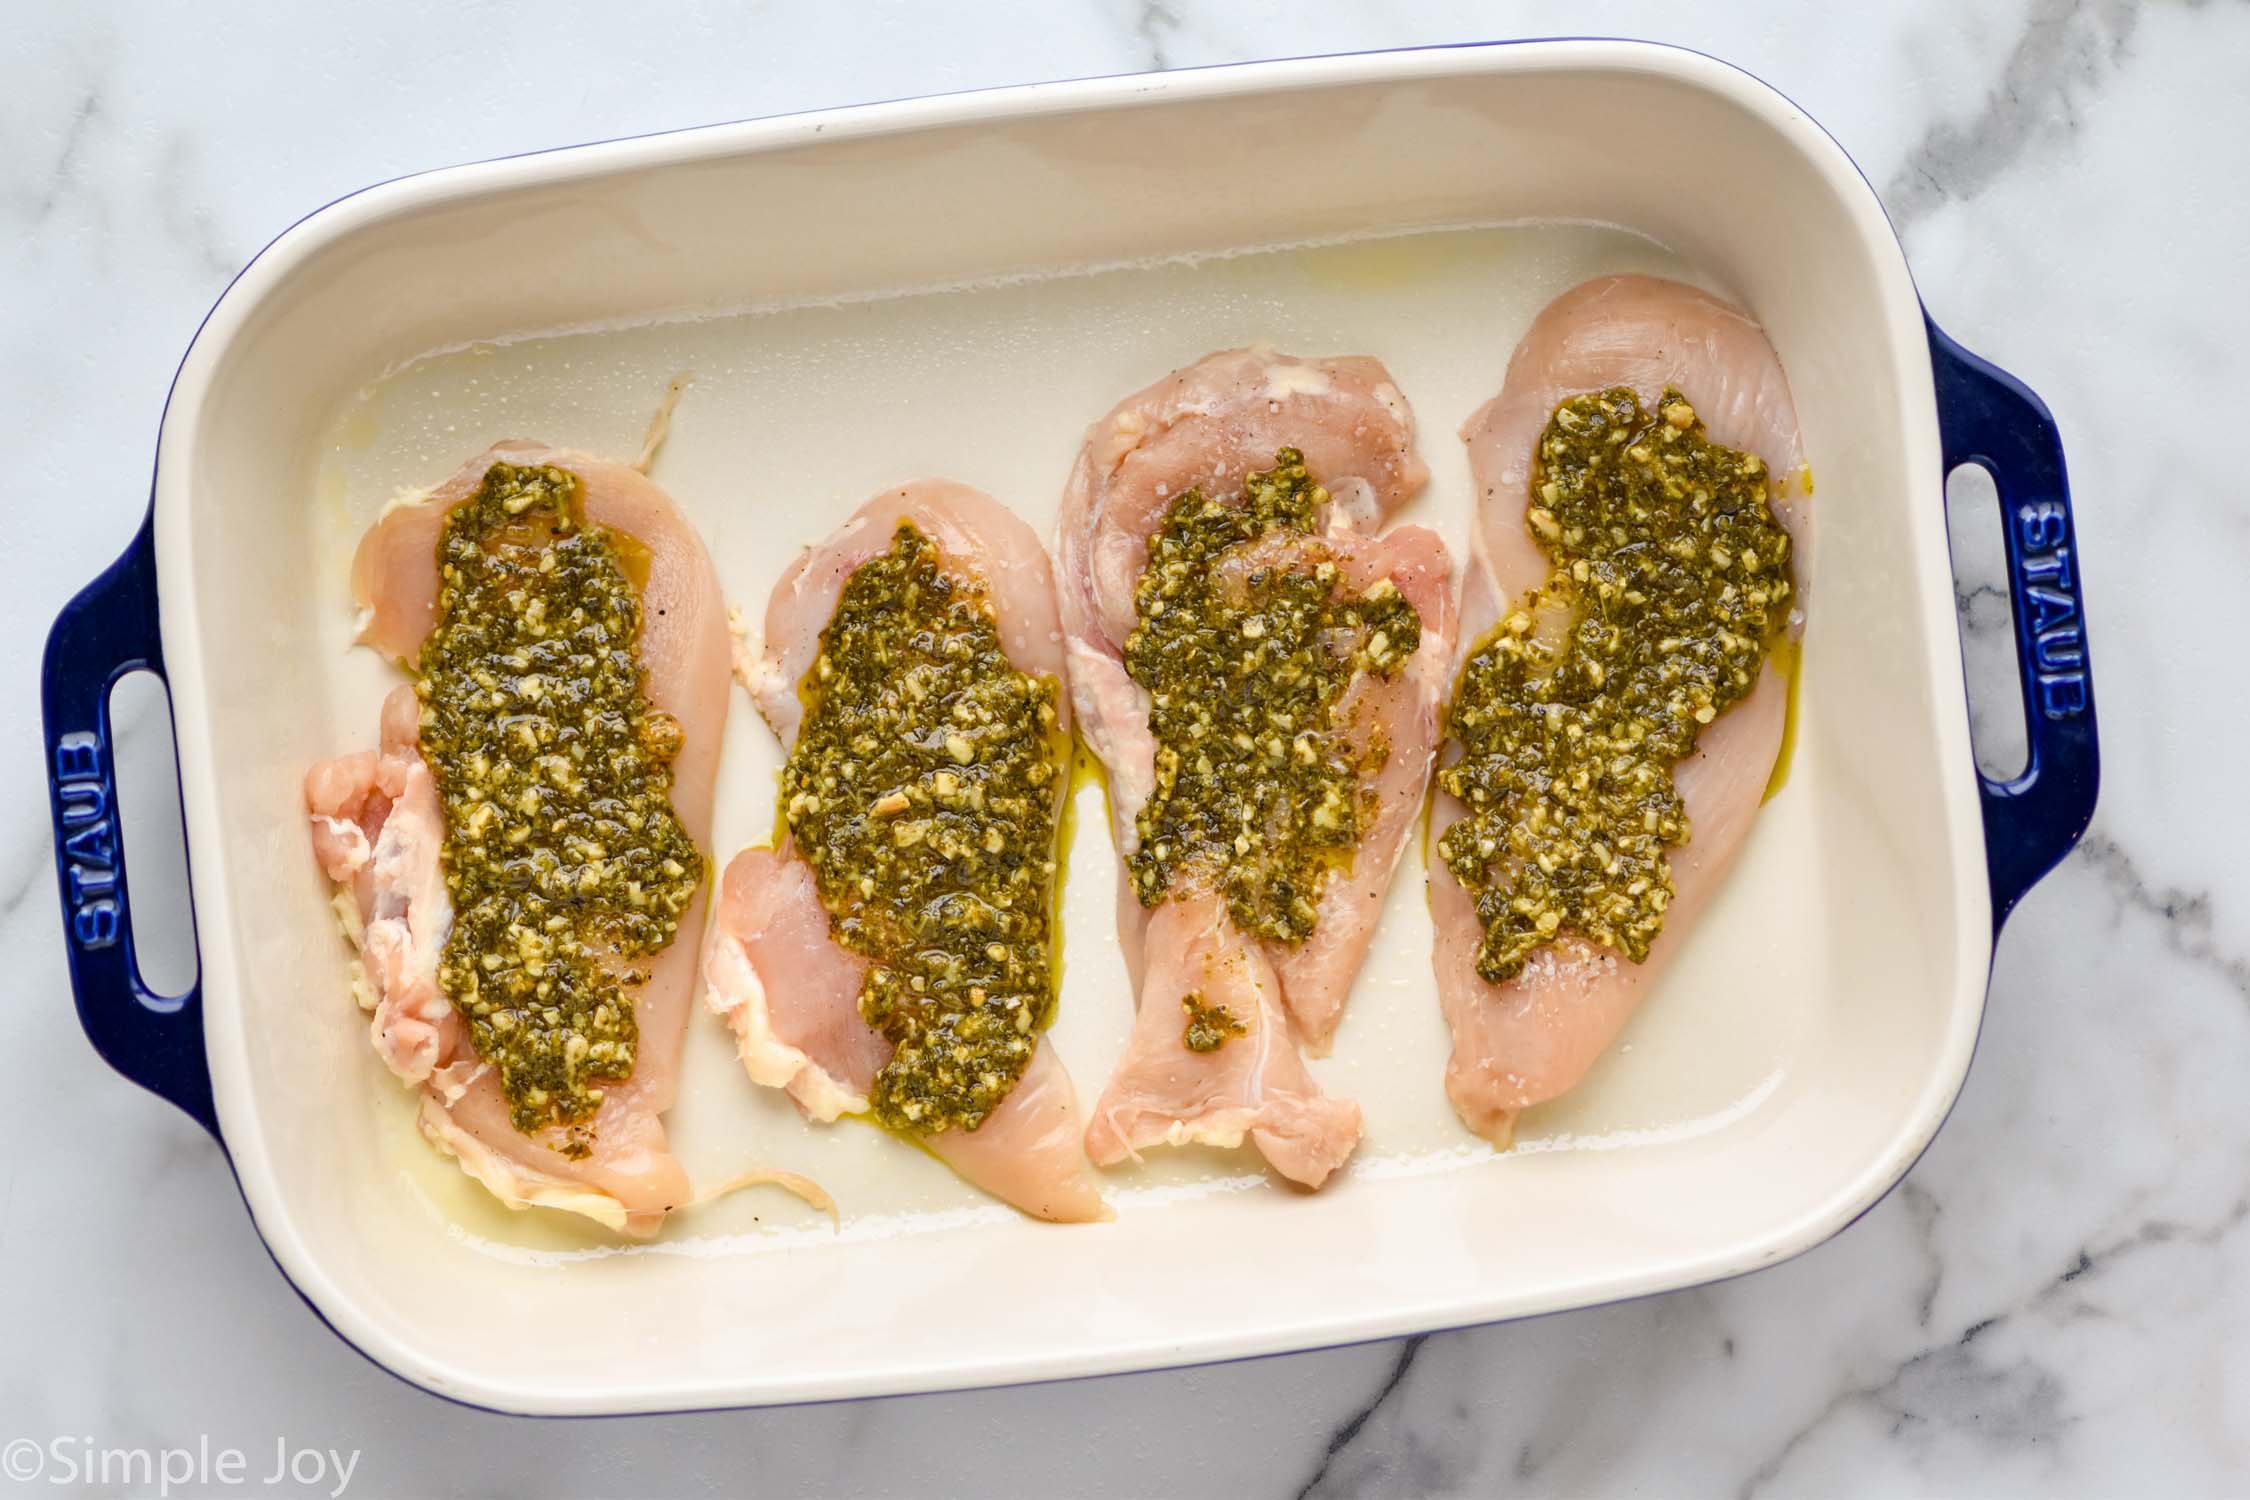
790	991
1209	427
378	827
1532	1038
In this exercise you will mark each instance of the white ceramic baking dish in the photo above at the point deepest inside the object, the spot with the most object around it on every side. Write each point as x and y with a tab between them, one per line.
936	254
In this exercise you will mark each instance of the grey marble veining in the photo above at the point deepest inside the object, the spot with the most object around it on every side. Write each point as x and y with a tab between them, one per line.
2056	1302
2063	55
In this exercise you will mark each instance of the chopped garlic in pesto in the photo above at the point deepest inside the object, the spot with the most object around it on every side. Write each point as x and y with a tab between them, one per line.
1209	1027
923	791
1670	582
1247	641
563	857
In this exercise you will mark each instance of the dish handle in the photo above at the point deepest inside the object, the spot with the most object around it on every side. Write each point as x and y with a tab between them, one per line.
108	631
1989	418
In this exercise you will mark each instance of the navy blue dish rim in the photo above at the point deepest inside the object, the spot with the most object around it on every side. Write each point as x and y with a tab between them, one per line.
111	628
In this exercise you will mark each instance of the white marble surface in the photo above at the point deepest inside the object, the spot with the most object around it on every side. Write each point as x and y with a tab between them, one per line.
2056	1302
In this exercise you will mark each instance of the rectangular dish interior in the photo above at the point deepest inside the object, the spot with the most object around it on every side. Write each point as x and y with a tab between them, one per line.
1786	1072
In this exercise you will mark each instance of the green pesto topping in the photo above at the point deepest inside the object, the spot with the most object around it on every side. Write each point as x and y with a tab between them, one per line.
1209	1027
563	857
1670	581
923	790
1247	640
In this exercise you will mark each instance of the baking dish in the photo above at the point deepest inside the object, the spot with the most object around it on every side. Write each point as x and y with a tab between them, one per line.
1835	992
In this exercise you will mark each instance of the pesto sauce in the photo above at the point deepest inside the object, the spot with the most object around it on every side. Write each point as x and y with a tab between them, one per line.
563	857
1246	650
922	790
1670	582
1209	1027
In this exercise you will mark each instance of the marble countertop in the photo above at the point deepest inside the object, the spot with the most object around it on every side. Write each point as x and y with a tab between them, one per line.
2057	1301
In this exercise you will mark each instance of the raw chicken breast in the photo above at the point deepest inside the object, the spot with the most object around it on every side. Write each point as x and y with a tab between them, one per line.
1255	1086
1531	1039
786	987
1405	712
1209	426
378	825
